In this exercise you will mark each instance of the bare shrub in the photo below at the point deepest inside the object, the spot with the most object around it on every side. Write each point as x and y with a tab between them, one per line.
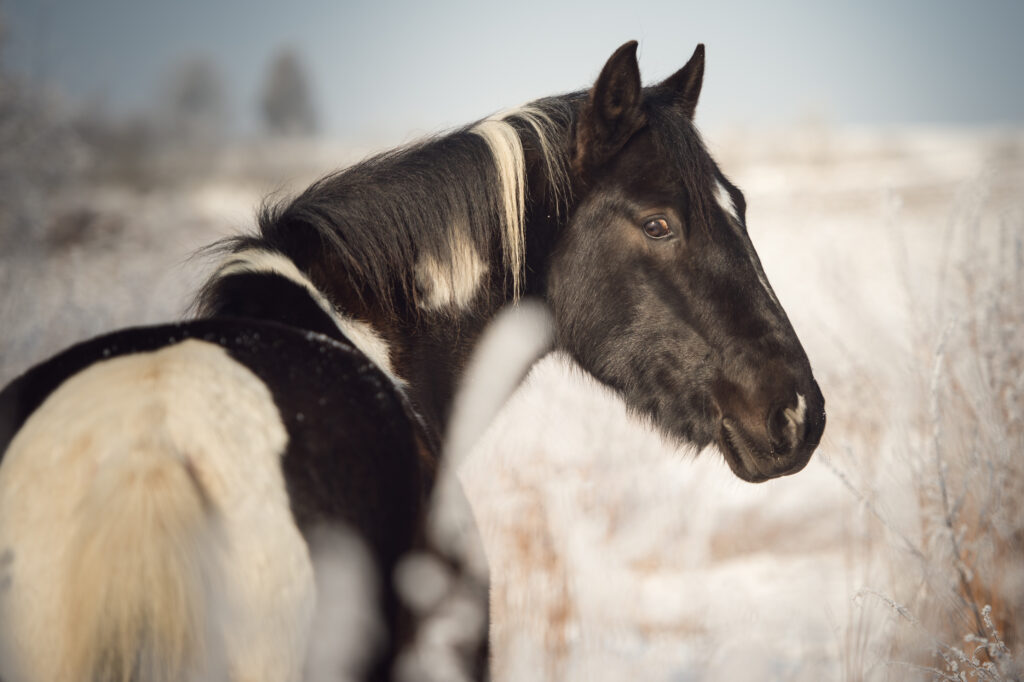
40	155
957	590
196	105
123	150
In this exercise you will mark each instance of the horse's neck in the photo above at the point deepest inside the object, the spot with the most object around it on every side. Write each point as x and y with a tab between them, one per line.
429	350
430	333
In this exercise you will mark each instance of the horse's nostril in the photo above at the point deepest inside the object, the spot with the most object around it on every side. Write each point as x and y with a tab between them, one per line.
783	429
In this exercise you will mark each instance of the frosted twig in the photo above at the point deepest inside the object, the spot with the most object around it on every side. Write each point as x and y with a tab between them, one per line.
948	510
870	506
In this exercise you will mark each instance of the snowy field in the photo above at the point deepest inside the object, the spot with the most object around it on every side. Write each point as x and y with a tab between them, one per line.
898	256
899	259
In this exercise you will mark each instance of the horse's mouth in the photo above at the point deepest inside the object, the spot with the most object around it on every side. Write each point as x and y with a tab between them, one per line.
752	462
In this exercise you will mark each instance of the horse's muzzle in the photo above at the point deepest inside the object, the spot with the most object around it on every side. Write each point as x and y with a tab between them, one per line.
778	444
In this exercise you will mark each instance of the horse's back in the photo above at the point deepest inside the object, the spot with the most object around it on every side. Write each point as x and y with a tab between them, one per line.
157	487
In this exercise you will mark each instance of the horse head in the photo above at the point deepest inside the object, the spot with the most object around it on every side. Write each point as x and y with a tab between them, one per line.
657	289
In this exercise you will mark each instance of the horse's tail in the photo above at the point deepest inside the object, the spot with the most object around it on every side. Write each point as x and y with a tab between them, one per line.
138	588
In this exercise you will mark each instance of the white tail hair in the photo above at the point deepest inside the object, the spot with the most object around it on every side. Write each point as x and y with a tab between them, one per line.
137	592
158	544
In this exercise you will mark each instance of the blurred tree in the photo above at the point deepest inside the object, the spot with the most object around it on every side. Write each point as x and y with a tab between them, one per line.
126	149
287	102
39	155
196	105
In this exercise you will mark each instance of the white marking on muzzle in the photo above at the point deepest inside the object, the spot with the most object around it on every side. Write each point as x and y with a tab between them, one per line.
801	408
795	417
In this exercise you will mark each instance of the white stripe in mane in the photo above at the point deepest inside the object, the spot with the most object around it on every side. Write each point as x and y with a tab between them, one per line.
507	150
360	333
554	156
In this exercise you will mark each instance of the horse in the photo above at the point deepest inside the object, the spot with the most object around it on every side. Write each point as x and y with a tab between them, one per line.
360	300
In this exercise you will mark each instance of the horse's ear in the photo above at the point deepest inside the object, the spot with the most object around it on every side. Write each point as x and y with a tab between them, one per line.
685	83
611	113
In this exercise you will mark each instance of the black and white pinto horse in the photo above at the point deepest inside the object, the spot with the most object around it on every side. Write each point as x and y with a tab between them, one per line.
160	482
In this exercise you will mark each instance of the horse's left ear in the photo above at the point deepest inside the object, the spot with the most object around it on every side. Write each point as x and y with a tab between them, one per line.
685	83
611	113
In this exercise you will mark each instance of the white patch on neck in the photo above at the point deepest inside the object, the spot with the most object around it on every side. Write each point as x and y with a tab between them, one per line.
360	333
451	284
507	150
364	337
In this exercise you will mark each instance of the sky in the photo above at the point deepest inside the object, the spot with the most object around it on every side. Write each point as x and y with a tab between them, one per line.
397	69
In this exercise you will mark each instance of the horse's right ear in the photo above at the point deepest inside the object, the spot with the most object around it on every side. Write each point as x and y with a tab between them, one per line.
611	113
686	82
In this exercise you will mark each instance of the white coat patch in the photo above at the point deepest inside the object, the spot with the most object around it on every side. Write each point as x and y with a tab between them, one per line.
362	335
452	283
201	430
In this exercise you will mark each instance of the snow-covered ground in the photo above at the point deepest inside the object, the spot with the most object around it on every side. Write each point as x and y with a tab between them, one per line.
898	257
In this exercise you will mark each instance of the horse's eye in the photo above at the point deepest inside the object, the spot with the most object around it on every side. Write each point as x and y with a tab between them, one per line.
657	228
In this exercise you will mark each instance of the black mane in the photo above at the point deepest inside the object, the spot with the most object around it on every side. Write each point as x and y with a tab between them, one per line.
359	233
